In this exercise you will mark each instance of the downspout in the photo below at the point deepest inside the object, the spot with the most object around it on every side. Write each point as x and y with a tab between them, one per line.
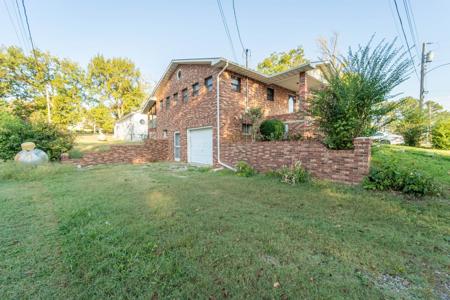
218	120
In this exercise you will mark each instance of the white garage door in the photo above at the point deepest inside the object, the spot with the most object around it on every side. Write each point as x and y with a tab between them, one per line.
200	146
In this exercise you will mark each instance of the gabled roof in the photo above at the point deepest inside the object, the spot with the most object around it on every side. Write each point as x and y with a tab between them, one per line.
128	115
280	79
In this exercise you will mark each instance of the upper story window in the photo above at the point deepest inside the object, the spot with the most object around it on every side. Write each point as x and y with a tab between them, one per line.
209	83
179	74
195	89
270	94
175	98
185	94
161	105
235	83
168	103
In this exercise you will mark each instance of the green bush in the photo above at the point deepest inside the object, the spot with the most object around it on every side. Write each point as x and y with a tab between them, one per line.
358	87
293	175
389	176
412	125
244	169
50	139
13	132
47	137
441	135
272	130
75	154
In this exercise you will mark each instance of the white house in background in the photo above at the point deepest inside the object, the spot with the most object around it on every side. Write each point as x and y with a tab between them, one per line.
131	127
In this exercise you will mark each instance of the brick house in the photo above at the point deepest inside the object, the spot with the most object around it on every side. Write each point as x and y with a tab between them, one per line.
198	105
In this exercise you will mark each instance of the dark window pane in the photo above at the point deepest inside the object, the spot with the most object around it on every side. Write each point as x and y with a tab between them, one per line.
235	84
167	103
246	129
209	83
185	95
195	89
270	94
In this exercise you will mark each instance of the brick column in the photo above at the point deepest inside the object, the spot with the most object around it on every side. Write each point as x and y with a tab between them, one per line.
303	92
308	129
362	154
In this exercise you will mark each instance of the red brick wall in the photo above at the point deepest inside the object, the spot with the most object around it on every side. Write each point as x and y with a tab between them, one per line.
198	111
150	151
346	166
233	104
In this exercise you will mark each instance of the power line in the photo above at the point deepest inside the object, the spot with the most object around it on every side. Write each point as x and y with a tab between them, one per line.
21	41
227	30
406	39
245	51
237	27
20	21
414	35
29	31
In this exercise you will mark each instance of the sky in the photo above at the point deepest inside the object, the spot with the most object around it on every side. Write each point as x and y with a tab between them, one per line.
151	33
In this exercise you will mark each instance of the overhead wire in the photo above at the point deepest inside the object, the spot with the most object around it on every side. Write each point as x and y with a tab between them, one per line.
412	29
20	37
29	32
18	13
237	27
227	30
406	39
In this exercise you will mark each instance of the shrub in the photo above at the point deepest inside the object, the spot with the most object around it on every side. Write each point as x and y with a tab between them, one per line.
75	154
13	132
50	139
293	175
47	137
254	116
359	85
441	135
388	176
412	123
272	130
244	169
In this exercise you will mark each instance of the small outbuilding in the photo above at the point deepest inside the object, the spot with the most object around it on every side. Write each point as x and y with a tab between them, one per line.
131	127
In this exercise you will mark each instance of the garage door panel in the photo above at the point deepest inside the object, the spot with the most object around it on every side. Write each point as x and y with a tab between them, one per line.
200	146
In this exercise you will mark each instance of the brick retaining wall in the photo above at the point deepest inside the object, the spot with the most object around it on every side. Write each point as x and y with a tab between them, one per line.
150	151
346	166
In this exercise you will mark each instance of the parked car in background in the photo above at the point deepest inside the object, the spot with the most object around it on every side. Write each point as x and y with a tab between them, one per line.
387	138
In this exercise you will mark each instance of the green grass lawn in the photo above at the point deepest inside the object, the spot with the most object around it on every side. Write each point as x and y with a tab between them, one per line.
434	163
141	231
89	143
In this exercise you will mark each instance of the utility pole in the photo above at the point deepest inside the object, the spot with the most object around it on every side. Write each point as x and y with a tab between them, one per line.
427	57
246	58
422	76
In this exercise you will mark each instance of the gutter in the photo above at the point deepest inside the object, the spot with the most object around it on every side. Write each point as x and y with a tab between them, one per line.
218	119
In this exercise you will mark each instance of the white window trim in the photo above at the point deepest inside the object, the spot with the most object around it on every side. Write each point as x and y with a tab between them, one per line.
179	146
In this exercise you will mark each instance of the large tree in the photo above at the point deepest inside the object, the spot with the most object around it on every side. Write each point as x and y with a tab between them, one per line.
100	117
116	83
282	61
27	79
